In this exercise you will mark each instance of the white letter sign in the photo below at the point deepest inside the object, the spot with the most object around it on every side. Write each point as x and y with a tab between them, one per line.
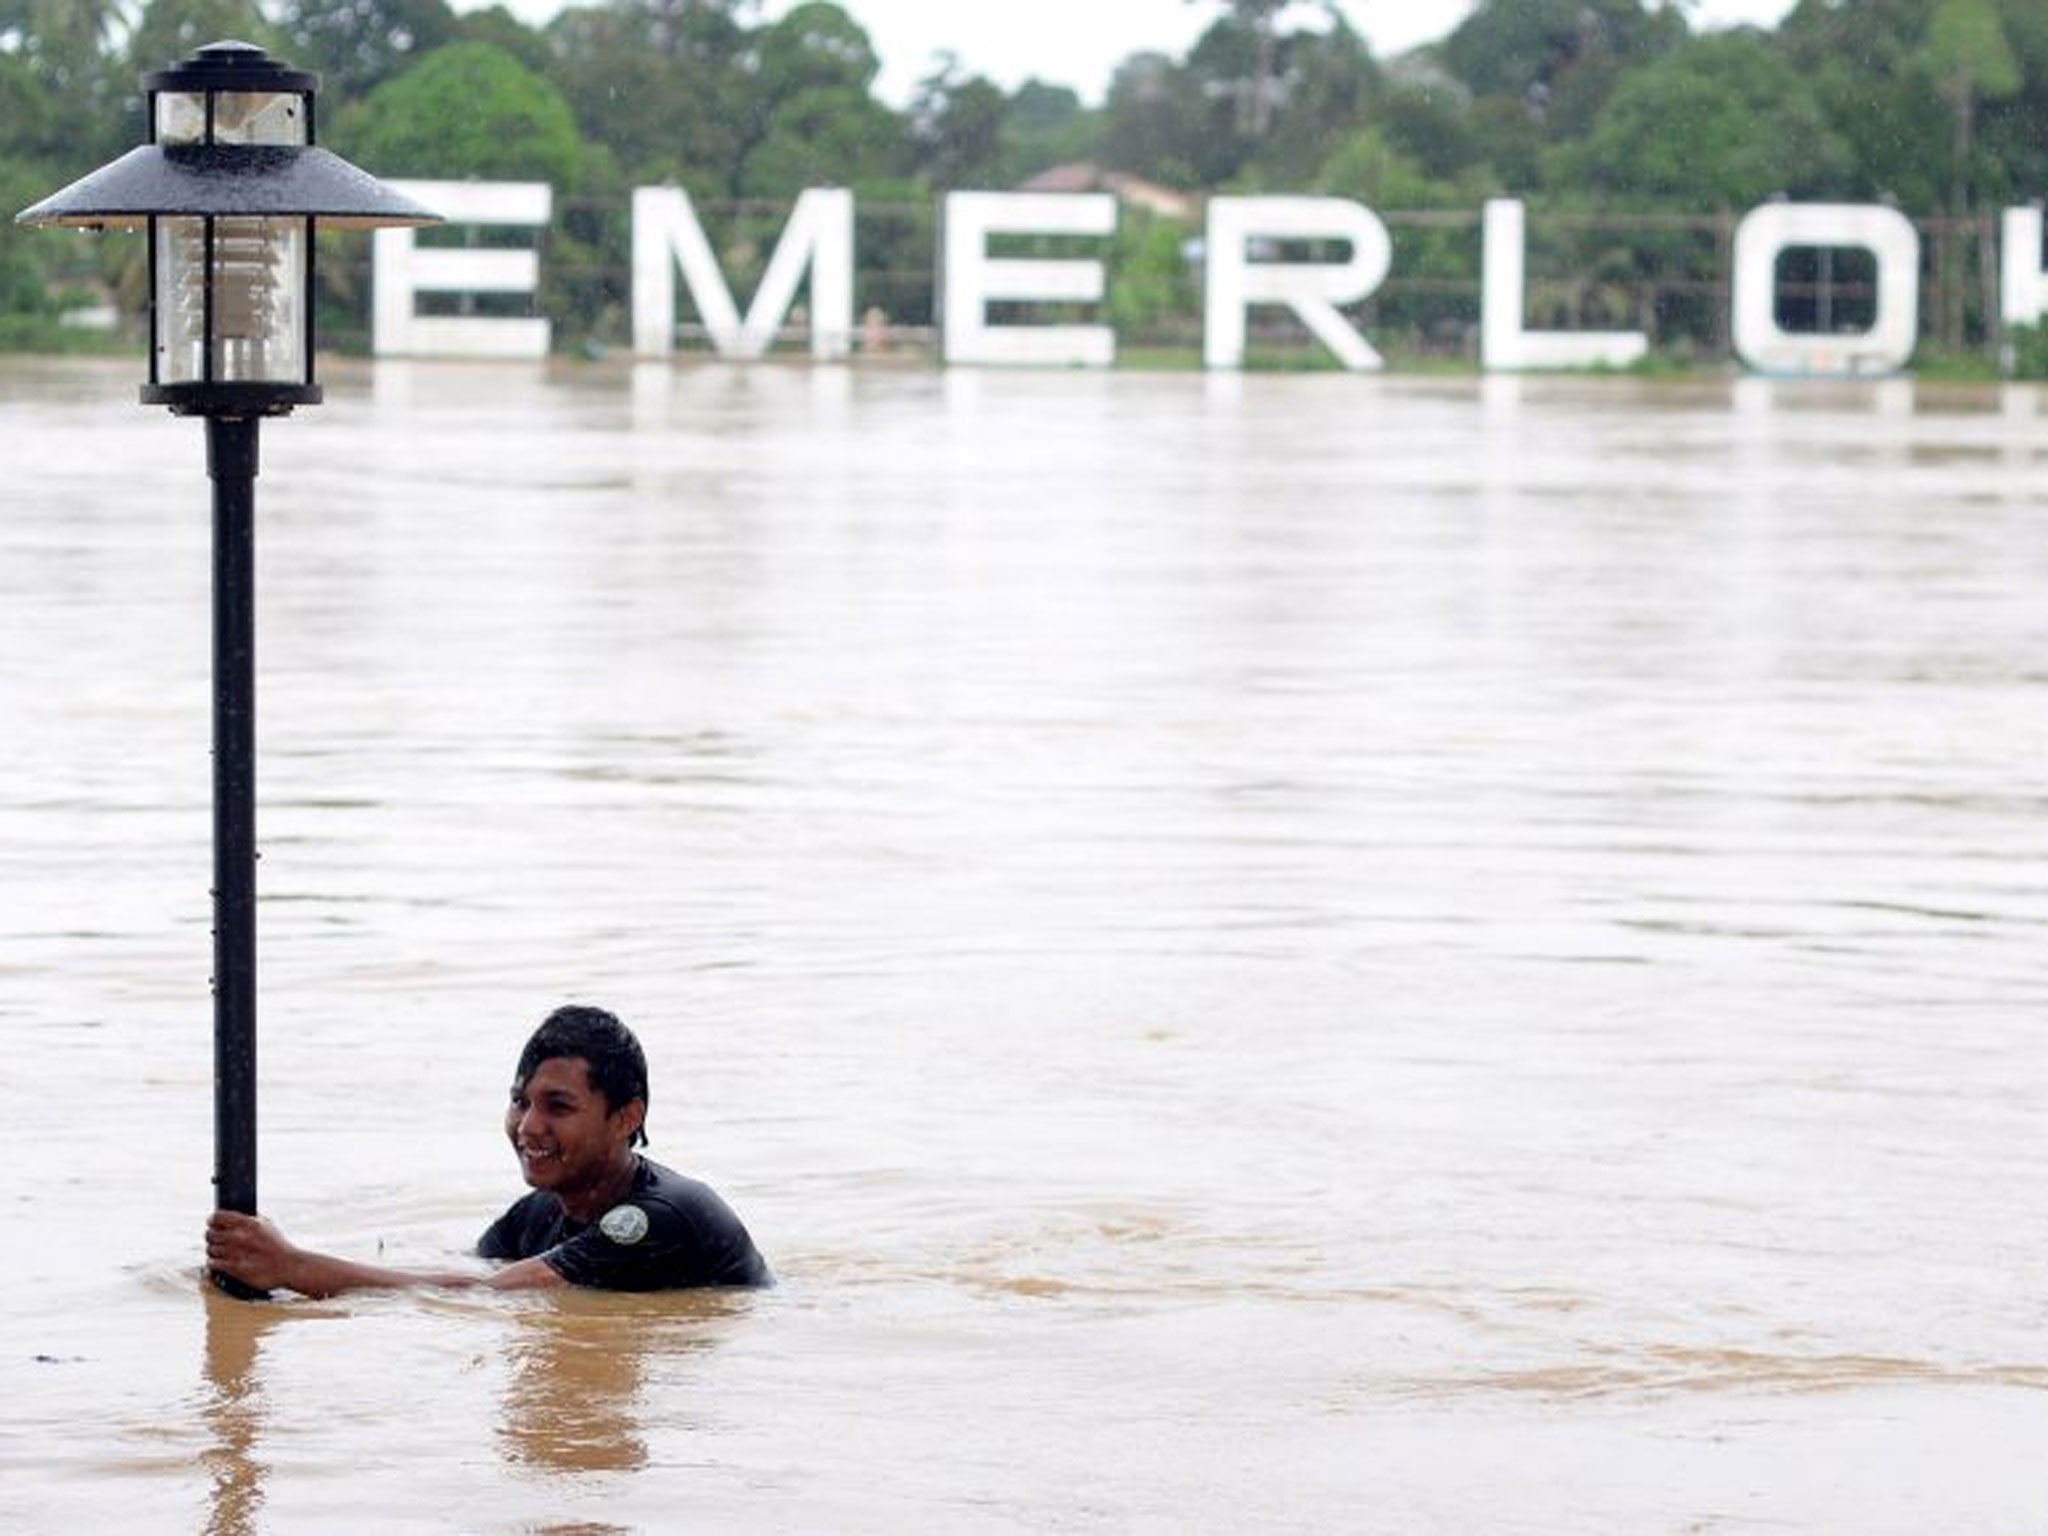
1313	290
2023	294
1504	345
973	278
666	235
403	271
1766	232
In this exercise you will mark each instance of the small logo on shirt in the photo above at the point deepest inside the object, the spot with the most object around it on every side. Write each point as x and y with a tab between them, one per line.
623	1224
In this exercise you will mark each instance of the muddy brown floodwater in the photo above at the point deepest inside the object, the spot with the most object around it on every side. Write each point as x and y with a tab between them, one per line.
1285	953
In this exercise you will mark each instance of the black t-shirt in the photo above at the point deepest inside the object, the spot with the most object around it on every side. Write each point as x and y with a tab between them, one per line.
669	1233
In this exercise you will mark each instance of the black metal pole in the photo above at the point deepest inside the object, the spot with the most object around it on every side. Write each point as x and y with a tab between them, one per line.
231	462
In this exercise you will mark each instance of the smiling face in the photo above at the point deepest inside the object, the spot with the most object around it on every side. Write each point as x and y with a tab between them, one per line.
567	1138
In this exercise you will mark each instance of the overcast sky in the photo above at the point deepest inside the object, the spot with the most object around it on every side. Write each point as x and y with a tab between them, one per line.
1078	42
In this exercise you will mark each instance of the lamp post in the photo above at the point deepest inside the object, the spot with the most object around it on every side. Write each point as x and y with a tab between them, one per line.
229	188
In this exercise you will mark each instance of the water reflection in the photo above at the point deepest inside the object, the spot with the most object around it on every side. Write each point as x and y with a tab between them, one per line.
577	1398
234	1411
578	1370
571	1394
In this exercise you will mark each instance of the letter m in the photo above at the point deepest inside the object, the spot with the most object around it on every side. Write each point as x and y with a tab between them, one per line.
666	235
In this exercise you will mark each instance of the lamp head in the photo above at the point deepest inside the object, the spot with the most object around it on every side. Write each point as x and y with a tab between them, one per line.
229	187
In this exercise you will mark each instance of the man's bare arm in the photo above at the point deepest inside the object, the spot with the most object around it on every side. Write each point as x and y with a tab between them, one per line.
254	1251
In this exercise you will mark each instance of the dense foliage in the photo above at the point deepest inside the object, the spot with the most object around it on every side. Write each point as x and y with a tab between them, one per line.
1634	137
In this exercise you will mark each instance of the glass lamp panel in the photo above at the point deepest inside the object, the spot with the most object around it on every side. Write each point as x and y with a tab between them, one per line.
259	117
180	324
180	117
259	301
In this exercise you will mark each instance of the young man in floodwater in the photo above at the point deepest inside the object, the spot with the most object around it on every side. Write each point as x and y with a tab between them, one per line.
600	1215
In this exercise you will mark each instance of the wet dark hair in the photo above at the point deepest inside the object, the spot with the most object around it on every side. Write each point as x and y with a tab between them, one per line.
617	1065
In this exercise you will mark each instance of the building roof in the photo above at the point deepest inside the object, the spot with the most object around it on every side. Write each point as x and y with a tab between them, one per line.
1086	176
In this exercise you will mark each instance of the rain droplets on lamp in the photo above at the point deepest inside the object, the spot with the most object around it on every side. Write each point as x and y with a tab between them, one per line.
229	188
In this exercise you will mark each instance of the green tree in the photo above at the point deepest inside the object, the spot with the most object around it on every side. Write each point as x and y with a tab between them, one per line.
26	255
957	127
1862	61
1973	62
66	41
1046	125
357	45
31	126
1256	87
1722	122
1160	123
1431	125
1249	105
67	49
473	110
2011	159
1432	259
1368	167
682	91
499	26
1561	58
169	30
1151	284
808	116
1332	86
895	237
658	83
469	109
